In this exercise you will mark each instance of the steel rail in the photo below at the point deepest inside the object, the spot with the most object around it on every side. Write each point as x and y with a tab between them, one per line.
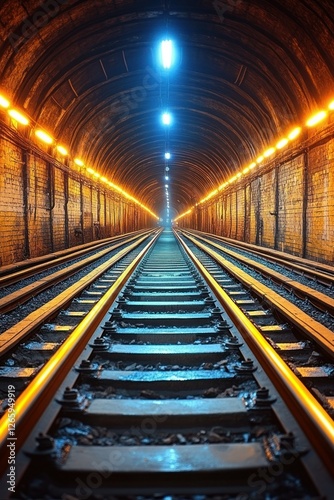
324	273
315	422
35	266
310	327
25	327
34	400
19	297
318	299
35	261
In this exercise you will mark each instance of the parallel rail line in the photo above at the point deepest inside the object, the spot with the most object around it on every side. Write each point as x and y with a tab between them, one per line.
320	300
323	273
13	300
14	273
166	387
30	323
317	332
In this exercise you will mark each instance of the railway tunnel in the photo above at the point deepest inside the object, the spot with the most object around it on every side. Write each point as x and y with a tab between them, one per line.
247	148
166	249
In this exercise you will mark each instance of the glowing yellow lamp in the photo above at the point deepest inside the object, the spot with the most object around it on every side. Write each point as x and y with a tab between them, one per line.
314	120
4	103
295	133
78	162
43	136
269	152
63	151
16	115
282	143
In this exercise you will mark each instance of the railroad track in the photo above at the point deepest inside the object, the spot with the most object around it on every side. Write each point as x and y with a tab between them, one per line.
306	314
166	398
316	271
317	286
81	271
306	345
68	263
12	273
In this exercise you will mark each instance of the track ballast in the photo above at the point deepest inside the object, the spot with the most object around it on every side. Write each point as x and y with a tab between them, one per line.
165	400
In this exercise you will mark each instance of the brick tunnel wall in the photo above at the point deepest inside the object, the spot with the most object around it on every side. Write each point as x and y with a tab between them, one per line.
287	204
46	207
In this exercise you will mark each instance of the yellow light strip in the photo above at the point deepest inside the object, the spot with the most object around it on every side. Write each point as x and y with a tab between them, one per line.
222	186
20	118
210	195
314	120
182	215
94	173
120	190
294	133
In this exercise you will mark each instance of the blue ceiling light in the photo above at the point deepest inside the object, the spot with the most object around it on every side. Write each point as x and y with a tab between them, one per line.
166	53
166	118
167	156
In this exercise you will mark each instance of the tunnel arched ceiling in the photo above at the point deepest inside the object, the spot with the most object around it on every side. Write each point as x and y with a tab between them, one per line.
86	70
